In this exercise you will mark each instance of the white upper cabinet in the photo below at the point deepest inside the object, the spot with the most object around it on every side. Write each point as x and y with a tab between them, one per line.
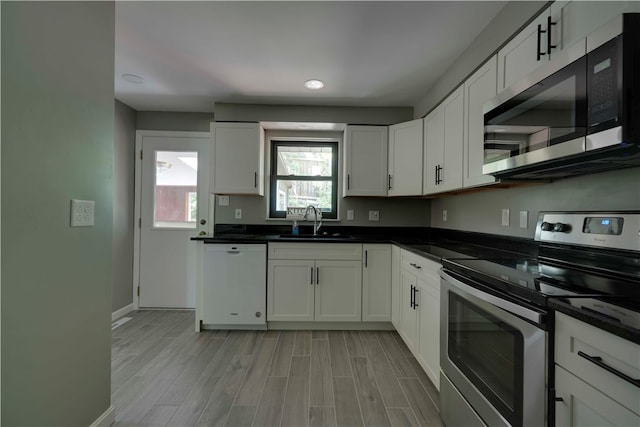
478	89
579	18
237	158
405	159
443	143
365	161
527	50
560	26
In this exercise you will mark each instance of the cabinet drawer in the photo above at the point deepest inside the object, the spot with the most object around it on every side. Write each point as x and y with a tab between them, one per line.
339	251
422	268
577	341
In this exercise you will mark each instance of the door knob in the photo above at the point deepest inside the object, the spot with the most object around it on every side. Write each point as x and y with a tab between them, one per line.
203	221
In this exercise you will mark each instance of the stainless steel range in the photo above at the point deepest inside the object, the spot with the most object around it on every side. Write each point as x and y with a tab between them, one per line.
496	324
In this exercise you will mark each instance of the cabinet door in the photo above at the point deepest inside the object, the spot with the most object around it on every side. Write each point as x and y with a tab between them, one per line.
429	331
237	158
405	159
290	290
396	289
365	159
478	89
451	168
376	283
583	405
579	18
518	57
409	315
443	130
338	291
433	149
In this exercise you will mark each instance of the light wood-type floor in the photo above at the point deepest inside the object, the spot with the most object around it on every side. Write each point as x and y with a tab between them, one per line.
165	374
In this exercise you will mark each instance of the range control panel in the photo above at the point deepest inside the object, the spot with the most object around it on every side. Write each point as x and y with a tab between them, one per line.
613	230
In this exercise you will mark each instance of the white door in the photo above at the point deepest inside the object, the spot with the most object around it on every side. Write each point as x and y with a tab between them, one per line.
172	206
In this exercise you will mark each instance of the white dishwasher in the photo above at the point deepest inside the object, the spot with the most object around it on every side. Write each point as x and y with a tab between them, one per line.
234	284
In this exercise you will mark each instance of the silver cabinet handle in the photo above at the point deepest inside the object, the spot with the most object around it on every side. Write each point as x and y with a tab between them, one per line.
317	275
311	279
415	266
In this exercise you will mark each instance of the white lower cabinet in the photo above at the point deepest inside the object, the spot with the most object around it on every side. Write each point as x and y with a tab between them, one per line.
419	311
396	288
314	282
376	283
408	311
588	392
290	290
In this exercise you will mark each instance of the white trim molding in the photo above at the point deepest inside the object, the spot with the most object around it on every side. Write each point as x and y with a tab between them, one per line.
106	419
122	312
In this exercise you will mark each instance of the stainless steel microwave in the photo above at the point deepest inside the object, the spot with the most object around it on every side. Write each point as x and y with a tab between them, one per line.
578	114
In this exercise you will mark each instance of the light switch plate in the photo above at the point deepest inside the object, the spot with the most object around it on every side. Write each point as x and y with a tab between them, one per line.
505	217
238	213
524	219
82	213
374	215
444	215
350	215
223	200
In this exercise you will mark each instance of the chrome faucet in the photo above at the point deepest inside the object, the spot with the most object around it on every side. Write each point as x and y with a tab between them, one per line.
316	225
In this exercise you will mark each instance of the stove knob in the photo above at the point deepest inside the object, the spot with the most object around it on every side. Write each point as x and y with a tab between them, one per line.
561	228
546	226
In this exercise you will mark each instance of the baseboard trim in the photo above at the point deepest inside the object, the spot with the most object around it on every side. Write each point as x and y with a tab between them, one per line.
106	419
122	312
331	326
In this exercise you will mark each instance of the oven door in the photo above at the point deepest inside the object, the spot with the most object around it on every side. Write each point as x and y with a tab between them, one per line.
494	362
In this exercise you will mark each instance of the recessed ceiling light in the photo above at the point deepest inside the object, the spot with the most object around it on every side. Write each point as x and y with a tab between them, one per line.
500	130
132	78
314	84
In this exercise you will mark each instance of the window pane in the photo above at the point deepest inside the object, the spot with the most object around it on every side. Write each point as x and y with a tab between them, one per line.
176	178
304	161
299	194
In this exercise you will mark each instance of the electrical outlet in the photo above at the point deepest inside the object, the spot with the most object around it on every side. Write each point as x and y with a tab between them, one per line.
350	215
238	213
374	215
524	219
505	217
444	215
82	213
223	200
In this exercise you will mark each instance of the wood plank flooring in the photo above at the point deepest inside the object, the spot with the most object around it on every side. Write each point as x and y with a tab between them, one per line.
165	374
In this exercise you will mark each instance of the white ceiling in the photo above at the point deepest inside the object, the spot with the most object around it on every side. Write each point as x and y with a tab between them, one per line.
368	53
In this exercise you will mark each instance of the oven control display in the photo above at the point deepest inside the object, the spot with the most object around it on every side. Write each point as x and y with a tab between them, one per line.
602	225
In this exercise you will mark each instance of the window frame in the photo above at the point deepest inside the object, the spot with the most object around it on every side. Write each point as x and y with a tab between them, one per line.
273	213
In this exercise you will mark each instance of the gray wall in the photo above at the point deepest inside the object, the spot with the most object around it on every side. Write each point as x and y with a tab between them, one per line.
481	211
174	121
310	113
511	18
393	212
57	134
123	206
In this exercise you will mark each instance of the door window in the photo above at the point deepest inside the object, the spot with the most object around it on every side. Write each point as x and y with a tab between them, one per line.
176	184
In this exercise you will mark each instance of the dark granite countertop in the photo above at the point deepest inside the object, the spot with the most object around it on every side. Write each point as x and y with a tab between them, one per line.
434	244
603	322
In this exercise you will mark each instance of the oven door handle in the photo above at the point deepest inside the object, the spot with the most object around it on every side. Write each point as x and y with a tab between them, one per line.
508	306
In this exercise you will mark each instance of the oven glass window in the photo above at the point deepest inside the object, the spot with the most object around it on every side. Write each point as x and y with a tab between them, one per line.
551	112
490	354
